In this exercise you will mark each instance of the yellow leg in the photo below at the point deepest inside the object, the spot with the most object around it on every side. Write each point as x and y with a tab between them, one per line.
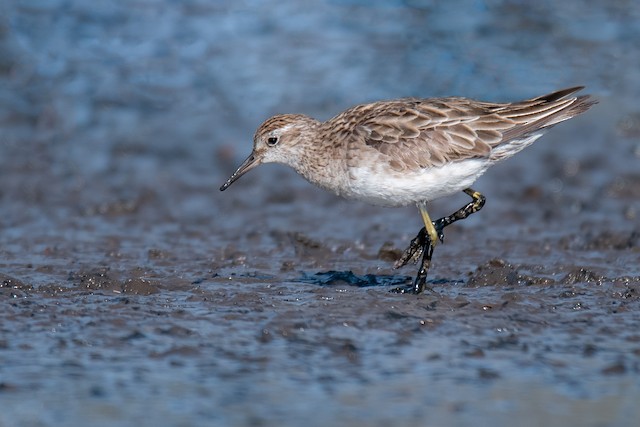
428	224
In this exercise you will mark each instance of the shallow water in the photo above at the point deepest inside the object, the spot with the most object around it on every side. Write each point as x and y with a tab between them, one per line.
133	292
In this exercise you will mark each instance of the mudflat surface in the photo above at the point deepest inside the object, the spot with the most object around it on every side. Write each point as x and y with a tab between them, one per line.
133	292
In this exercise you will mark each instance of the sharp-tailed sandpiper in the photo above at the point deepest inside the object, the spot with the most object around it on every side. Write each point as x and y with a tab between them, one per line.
410	151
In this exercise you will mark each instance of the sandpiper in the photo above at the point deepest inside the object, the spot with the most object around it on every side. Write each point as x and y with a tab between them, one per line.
410	151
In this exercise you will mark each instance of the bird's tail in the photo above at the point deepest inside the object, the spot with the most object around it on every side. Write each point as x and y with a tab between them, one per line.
535	116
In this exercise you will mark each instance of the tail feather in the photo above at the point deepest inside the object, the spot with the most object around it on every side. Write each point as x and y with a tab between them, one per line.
536	116
579	106
559	94
546	111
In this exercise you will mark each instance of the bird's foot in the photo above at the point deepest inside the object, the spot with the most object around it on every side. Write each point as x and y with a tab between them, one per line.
420	282
420	245
415	289
417	246
403	290
415	249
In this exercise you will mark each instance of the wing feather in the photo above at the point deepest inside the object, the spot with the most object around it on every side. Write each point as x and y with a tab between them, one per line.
422	133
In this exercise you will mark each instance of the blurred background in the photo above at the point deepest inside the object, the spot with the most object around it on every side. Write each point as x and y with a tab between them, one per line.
120	120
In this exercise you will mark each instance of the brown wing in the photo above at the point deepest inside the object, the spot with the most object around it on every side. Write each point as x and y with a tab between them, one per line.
420	134
414	133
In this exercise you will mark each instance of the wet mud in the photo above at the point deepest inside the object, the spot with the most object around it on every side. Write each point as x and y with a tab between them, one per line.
133	292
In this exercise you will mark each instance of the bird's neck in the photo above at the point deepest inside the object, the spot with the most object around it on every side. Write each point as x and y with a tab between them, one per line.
317	161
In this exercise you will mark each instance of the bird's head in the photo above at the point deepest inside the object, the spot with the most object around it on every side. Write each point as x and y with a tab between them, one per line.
276	141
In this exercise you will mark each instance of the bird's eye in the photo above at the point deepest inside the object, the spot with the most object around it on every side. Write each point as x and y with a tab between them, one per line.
272	140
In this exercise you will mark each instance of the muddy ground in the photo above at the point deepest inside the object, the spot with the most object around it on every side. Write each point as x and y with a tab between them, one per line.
133	292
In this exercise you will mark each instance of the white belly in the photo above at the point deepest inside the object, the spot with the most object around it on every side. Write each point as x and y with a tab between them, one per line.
386	187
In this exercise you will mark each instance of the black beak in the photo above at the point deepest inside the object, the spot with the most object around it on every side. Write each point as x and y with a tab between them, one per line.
251	162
